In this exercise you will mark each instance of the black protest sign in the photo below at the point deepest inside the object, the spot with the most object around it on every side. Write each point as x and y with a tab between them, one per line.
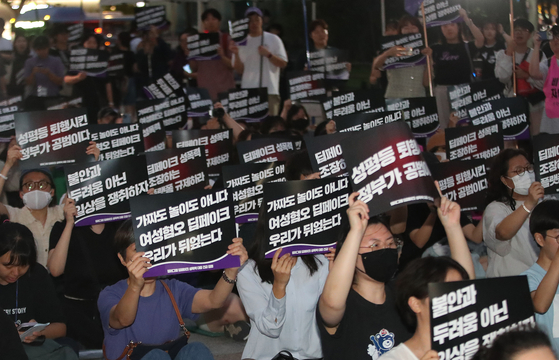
412	56
466	94
366	121
356	101
332	62
420	114
116	65
171	112
75	33
246	184
327	106
154	136
466	315
546	161
150	15
91	61
164	87
387	169
513	113
474	142
117	140
174	170
203	46
238	30
326	154
218	145
223	98
7	117
441	12
65	103
102	190
464	182
305	84
199	101
250	105
304	217
53	137
267	149
185	232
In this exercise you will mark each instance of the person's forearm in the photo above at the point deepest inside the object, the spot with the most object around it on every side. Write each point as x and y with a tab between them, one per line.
510	225
459	250
54	331
279	289
421	236
238	65
58	80
545	293
378	62
233	125
277	61
476	32
109	88
71	79
221	291
57	257
125	311
534	68
474	233
226	61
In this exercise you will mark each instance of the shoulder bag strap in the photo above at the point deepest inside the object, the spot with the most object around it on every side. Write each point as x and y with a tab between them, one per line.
261	61
472	69
181	322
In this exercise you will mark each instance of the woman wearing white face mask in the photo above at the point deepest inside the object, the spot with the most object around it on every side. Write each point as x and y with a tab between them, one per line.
513	193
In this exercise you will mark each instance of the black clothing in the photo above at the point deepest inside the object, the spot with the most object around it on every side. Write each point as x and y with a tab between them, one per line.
452	64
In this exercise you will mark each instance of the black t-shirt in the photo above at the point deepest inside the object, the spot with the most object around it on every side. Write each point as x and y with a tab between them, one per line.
366	331
452	64
9	340
487	57
92	263
31	297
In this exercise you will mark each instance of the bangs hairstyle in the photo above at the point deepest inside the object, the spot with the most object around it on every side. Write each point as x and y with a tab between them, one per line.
499	167
544	217
18	240
411	20
345	228
124	237
414	281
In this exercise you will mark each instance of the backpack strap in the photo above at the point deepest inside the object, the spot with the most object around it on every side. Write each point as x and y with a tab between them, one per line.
181	322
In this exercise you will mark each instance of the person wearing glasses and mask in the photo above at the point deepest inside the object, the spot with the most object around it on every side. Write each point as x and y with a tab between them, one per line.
512	195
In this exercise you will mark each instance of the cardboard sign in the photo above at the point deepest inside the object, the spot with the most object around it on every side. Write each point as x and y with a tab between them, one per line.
102	190
174	170
513	113
238	30
75	32
117	140
116	65
305	84
304	217
171	112
218	145
441	12
58	104
420	114
366	121
54	137
466	315
246	184
464	182
356	102
154	136
474	142
164	87
327	156
199	101
546	161
7	118
250	105
91	61
267	149
466	94
412	42
387	169
331	62
150	15
185	232
203	46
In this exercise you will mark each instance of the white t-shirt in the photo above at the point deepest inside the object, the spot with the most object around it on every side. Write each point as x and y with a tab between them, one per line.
251	59
400	352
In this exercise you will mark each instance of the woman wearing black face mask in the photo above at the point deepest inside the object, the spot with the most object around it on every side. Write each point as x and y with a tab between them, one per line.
357	314
296	117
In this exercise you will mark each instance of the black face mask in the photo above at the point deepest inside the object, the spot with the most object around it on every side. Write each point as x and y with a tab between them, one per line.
380	265
300	124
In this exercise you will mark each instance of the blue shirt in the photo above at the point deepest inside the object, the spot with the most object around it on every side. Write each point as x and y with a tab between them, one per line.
52	63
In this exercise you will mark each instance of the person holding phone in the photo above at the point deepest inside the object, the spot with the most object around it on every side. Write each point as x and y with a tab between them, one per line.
180	68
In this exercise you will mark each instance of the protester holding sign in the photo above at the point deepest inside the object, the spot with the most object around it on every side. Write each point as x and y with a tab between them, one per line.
181	60
495	40
512	195
152	58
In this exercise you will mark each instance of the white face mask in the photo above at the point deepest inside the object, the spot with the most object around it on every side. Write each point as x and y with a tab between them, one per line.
441	156
522	183
37	199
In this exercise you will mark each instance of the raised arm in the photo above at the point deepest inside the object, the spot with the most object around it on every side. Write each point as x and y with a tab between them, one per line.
56	262
476	32
230	123
378	62
421	236
14	154
238	65
534	69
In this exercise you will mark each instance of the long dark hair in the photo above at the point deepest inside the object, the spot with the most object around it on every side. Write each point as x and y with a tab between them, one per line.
27	50
18	240
499	167
460	35
509	345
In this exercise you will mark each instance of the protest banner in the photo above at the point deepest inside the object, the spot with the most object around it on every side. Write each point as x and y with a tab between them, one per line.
250	105
7	118
116	64
150	15
217	143
513	113
185	232
164	87
199	101
464	182
386	168
332	62
238	30
326	154
171	112
91	61
412	56
356	101
154	136
102	190
441	12
75	33
474	142
466	94
366	121
466	315
64	103
268	149
304	217
420	114
305	85
117	140
246	184
203	46
546	161
174	170
53	137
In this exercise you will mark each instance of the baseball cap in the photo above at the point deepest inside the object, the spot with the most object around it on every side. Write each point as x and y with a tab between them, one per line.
253	10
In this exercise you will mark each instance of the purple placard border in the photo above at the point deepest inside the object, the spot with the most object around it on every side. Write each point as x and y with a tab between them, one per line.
183	267
301	249
246	218
421	61
101	218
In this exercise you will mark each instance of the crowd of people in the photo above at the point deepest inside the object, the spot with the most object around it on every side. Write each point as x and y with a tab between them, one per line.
365	299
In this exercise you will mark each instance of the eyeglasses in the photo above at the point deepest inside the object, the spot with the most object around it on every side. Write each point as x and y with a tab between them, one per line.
553	237
394	244
521	30
36	185
521	171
